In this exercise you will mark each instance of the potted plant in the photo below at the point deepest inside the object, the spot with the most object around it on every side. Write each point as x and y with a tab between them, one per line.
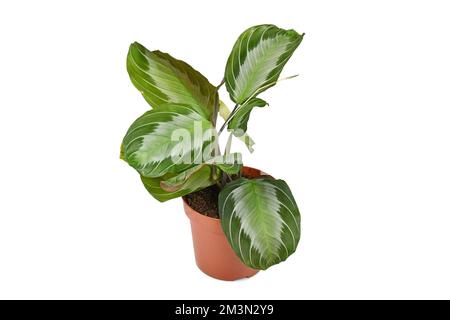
242	219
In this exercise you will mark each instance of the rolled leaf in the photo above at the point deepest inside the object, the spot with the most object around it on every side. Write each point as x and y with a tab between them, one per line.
163	79
260	220
257	59
201	179
225	112
167	140
248	141
238	124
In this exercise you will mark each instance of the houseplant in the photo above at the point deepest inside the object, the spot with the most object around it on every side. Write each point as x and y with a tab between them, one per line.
242	220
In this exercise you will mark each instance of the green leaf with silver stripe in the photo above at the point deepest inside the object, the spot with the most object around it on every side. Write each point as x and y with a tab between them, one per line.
163	79
167	140
179	180
225	112
194	181
260	220
257	59
238	124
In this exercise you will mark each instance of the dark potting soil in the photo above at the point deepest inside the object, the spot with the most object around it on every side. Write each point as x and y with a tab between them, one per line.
205	201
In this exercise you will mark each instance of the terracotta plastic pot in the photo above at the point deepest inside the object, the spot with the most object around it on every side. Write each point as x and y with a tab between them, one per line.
213	254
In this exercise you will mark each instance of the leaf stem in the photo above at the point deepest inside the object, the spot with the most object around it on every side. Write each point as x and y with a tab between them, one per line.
228	145
220	84
236	107
228	119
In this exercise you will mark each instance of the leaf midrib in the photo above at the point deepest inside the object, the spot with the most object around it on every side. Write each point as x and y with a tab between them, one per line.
259	204
257	68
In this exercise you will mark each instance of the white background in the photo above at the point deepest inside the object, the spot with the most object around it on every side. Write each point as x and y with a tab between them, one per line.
361	136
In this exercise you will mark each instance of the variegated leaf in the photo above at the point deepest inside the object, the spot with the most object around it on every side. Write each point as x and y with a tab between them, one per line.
238	124
260	219
163	79
257	59
225	112
197	180
167	140
176	182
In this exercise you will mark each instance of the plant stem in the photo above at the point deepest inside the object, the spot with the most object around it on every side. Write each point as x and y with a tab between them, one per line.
215	110
228	119
220	84
228	145
251	97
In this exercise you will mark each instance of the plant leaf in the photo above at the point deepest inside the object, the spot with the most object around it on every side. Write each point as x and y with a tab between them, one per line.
176	182
230	163
238	124
260	219
198	180
228	145
167	140
248	141
163	79
257	59
225	112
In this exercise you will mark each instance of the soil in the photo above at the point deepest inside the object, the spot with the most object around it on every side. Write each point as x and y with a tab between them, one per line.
205	201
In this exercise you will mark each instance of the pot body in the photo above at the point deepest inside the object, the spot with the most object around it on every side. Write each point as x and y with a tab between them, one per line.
213	254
